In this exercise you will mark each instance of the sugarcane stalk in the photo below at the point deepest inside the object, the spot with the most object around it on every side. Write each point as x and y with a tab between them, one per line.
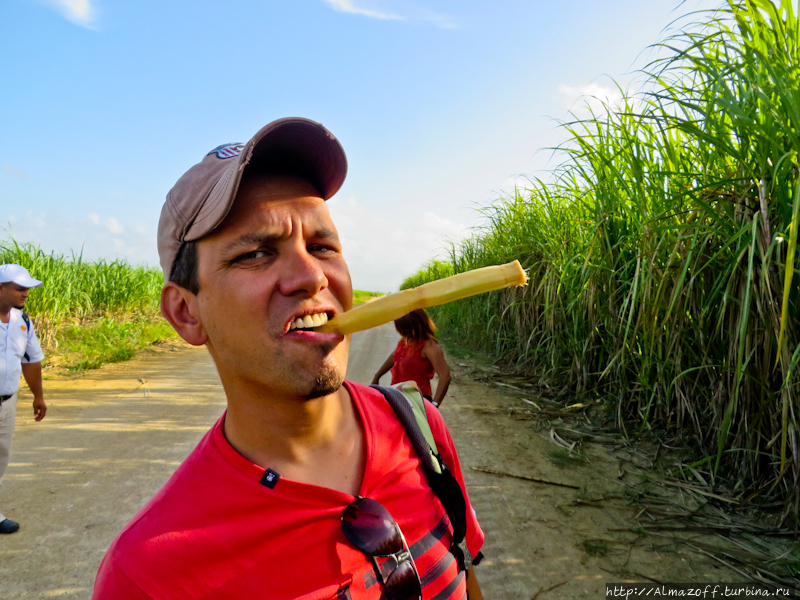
391	307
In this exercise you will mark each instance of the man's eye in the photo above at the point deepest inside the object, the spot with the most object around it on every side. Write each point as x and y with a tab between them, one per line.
321	249
254	255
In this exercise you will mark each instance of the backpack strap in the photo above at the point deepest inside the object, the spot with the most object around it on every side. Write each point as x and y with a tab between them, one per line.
27	320
409	405
403	397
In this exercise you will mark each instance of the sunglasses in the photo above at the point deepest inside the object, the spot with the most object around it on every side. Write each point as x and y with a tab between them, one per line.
371	529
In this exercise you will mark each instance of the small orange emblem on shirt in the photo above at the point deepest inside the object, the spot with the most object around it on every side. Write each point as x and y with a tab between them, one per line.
23	328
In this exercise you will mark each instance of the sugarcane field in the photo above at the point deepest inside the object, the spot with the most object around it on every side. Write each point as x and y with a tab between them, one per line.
521	320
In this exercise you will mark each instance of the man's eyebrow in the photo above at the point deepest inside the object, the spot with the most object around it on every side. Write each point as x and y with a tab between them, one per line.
325	233
260	239
250	239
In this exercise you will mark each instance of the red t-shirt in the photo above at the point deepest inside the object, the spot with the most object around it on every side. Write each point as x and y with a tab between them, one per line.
215	532
410	365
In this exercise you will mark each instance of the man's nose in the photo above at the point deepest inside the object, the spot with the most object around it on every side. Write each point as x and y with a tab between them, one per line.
302	273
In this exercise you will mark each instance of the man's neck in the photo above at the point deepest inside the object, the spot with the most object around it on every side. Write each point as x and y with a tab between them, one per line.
319	441
5	313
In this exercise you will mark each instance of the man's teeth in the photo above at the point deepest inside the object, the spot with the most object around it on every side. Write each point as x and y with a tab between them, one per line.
309	321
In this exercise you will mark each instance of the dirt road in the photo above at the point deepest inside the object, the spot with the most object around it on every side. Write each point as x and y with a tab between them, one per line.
113	436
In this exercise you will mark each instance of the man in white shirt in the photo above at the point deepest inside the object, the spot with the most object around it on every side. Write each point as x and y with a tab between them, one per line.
20	353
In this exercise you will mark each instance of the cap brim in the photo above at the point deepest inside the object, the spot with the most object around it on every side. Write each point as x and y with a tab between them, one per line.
28	282
300	147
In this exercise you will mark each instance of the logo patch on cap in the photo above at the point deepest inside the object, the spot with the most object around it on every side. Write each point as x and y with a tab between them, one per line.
227	150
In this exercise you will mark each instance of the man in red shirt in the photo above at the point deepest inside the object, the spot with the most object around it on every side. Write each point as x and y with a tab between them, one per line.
307	486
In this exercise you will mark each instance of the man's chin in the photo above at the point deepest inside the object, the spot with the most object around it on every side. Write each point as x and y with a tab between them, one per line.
20	306
325	384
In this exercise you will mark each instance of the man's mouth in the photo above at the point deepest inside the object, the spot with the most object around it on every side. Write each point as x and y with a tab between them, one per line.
309	321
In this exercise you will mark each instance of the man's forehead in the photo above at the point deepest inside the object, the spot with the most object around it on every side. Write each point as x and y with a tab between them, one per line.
276	210
277	187
263	196
275	216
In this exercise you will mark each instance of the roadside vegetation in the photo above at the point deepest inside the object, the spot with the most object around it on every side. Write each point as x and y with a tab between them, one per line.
662	258
89	313
360	297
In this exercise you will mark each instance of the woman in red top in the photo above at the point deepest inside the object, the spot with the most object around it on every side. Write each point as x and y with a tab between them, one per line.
417	356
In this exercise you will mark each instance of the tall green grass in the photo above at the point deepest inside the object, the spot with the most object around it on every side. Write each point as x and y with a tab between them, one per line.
662	254
89	313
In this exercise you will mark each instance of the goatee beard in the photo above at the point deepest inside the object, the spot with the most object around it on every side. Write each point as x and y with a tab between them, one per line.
326	383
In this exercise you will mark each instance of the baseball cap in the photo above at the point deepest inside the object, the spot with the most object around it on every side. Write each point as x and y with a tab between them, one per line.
19	275
203	196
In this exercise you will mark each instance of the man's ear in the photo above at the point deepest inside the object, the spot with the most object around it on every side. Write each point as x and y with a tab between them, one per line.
179	307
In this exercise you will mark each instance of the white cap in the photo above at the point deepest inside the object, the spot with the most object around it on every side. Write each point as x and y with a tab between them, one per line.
19	275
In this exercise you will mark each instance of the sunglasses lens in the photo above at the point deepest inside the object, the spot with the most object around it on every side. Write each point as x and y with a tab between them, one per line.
371	529
402	584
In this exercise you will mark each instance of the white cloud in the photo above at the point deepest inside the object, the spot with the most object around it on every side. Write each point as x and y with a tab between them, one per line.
438	228
36	219
377	9
80	12
348	6
518	182
589	97
13	171
382	253
113	225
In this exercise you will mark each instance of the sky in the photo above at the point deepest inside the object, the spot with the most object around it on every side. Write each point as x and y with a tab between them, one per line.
442	107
